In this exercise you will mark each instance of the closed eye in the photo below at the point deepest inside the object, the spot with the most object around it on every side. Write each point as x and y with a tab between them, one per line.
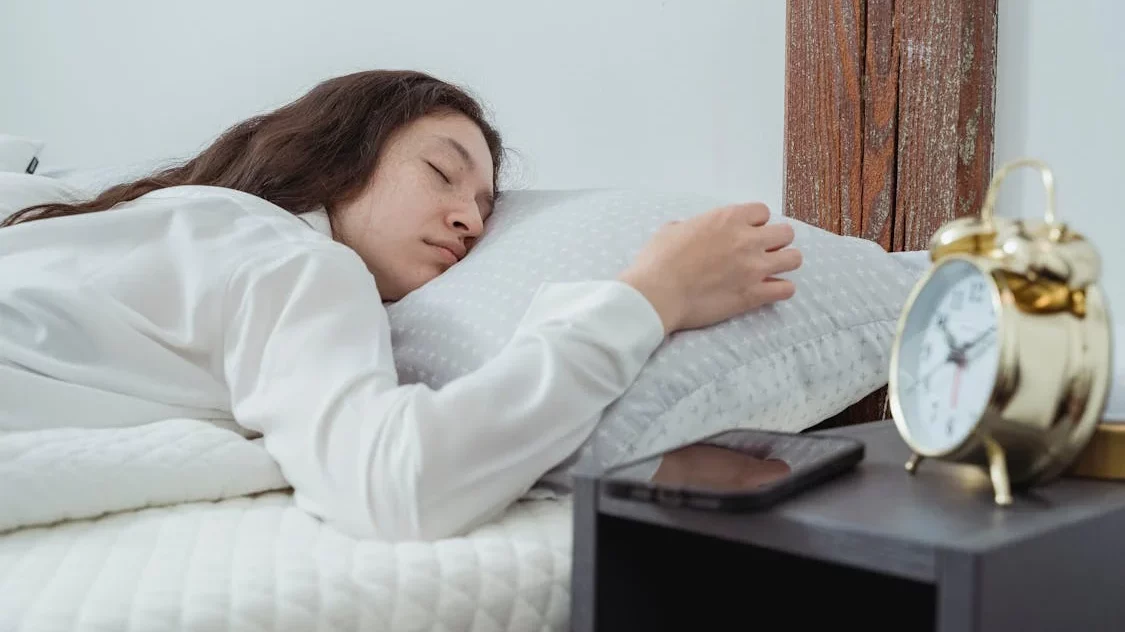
439	172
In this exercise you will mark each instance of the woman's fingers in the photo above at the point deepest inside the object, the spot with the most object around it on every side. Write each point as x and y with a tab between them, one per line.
786	260
753	213
775	236
773	290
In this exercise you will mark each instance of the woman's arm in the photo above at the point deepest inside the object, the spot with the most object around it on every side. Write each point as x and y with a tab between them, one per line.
309	365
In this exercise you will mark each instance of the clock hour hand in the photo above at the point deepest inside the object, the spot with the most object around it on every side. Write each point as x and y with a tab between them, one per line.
943	323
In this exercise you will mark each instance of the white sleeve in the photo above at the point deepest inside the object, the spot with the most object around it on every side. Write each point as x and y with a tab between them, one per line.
309	365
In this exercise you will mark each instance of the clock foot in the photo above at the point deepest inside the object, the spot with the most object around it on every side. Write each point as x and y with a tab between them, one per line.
912	464
998	469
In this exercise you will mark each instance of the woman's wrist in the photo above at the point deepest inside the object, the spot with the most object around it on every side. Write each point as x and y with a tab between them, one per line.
663	298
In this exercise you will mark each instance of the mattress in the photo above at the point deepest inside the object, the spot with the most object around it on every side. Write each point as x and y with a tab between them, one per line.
259	563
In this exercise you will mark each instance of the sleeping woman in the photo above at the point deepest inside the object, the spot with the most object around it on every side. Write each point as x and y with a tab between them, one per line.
246	287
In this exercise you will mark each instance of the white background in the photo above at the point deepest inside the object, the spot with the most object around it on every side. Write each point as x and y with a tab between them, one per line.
670	94
1060	97
677	94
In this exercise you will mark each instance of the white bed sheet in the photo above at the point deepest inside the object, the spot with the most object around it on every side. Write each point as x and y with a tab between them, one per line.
259	563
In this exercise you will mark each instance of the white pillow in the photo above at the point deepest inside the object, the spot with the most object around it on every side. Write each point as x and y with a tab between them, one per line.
21	190
784	367
17	153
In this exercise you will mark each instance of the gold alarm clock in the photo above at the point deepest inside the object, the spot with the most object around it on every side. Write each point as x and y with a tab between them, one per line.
1002	353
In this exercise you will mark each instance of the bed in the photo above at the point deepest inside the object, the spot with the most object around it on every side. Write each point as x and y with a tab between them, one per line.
258	563
244	558
184	525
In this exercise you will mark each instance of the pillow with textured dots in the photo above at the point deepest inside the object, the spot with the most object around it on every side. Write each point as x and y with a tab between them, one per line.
785	366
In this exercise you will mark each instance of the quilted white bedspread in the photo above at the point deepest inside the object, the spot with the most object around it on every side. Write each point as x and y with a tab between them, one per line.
261	564
103	531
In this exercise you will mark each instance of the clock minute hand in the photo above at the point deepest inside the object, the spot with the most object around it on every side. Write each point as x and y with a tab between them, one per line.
972	354
959	357
956	356
984	334
922	380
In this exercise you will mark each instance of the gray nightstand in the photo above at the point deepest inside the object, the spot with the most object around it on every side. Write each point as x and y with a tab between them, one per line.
876	547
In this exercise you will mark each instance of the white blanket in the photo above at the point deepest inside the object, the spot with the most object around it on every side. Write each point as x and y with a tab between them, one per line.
166	527
60	474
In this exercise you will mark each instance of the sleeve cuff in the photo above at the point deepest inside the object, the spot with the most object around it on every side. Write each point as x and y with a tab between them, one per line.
613	310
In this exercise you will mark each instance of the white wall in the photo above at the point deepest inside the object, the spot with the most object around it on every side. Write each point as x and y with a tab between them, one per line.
637	93
676	94
1061	98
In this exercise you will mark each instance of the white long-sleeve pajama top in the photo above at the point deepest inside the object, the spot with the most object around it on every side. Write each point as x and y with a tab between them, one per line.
207	303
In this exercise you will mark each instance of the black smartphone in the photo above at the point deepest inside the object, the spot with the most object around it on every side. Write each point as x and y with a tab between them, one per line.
735	470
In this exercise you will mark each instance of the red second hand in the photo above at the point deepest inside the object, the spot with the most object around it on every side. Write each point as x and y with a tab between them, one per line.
956	385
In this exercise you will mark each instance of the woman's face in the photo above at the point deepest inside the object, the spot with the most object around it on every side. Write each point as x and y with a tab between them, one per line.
424	208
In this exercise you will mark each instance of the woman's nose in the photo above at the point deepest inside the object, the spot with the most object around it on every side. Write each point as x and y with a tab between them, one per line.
466	221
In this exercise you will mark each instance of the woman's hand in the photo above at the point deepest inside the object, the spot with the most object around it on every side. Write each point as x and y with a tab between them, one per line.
714	266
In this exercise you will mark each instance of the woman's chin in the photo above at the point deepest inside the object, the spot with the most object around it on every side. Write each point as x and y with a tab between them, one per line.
424	279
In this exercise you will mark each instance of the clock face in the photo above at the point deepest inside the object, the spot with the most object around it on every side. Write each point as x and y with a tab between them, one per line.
948	357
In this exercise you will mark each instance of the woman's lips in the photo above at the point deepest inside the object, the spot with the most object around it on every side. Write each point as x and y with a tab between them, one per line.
448	255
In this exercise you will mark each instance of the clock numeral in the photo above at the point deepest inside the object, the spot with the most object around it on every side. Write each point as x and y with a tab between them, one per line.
927	349
949	423
957	300
976	292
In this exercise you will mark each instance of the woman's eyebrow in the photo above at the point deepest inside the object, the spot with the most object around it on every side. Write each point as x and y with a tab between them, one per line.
460	150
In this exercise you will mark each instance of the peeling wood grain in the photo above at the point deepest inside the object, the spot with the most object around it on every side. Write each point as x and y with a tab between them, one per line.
880	122
880	119
947	65
888	122
825	130
824	113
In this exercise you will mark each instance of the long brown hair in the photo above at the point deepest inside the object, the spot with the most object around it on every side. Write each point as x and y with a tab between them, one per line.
319	150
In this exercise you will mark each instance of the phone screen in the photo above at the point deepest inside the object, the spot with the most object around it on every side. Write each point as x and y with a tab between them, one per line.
733	462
